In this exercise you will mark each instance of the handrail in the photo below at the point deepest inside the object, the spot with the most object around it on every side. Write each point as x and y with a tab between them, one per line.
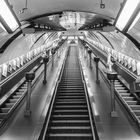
52	100
14	88
117	63
124	64
42	48
93	127
118	95
12	66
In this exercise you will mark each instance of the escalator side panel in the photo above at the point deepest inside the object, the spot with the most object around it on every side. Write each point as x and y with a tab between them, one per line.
70	117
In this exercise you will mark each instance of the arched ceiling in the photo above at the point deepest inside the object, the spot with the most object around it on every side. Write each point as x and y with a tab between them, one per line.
37	11
39	7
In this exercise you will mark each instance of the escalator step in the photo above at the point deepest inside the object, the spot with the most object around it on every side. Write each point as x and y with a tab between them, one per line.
72	85
74	102
9	105
125	94
19	93
70	137
70	112
137	112
70	123
70	88
118	85
122	90
2	115
76	84
21	90
132	102
5	110
70	117
129	98
16	97
24	87
71	107
12	100
72	94
135	107
70	97
71	91
70	100
70	129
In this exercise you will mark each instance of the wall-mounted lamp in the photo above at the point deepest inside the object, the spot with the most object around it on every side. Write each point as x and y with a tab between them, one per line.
8	18
127	14
102	5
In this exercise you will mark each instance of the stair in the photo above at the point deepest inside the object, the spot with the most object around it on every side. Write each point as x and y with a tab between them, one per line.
129	99
7	107
70	117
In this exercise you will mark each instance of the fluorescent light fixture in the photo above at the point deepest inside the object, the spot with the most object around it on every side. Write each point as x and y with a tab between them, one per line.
8	17
126	14
2	27
135	21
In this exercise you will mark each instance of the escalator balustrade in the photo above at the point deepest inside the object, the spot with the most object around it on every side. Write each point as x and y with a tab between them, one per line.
70	116
128	98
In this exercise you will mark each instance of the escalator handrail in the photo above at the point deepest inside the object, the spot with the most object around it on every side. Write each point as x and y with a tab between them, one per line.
45	126
116	92
23	80
132	74
91	116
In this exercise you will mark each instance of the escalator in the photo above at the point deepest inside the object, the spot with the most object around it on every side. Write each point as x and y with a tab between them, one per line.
129	100
70	118
7	107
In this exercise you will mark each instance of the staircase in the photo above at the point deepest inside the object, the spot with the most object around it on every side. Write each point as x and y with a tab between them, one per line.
70	116
129	99
7	107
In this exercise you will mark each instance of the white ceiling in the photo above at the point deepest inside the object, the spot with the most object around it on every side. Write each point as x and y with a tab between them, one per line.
39	7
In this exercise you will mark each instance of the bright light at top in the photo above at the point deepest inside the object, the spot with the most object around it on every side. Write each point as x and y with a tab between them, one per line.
71	20
7	15
126	13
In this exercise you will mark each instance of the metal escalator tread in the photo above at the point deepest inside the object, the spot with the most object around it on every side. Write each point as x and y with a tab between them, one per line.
11	102
128	98
70	117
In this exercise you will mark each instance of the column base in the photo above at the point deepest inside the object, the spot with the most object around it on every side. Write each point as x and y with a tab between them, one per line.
44	82
27	113
114	114
98	81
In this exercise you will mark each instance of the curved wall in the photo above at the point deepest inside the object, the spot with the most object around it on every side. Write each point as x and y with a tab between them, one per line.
21	45
120	43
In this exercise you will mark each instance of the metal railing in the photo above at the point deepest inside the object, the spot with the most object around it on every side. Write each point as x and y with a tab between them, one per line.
128	62
45	127
91	116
